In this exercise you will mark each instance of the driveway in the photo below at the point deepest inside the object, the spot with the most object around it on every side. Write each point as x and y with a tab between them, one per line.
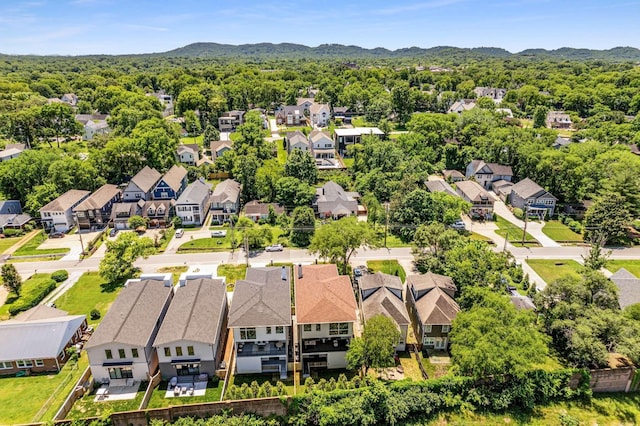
69	241
533	228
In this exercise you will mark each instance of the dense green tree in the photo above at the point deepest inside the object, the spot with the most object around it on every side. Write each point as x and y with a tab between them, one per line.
40	196
377	345
301	165
292	192
607	219
11	278
117	264
136	222
303	223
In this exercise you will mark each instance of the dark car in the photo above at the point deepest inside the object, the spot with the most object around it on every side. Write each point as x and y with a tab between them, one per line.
56	235
113	232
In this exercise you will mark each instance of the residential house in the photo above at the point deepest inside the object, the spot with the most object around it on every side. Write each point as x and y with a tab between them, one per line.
11	151
36	340
141	186
344	114
558	120
58	214
628	287
95	210
225	200
70	99
166	101
193	205
561	142
260	320
297	140
320	114
230	120
502	189
495	94
188	154
440	186
192	336
481	201
256	210
305	104
11	215
521	302
333	201
220	147
291	115
532	198
157	213
504	112
382	294
122	212
345	137
453	175
324	150
93	124
121	348
171	185
326	312
432	308
486	173
458	107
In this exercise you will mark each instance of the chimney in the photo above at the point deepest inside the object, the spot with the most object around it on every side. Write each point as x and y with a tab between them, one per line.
283	273
299	271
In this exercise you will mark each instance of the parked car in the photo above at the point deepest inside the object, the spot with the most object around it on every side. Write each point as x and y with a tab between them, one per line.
218	234
459	225
357	272
179	233
113	232
274	247
56	235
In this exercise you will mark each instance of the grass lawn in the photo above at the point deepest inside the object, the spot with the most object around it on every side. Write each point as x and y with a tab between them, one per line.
30	288
410	366
8	242
31	247
348	162
514	233
632	266
552	269
90	292
283	130
86	407
282	153
393	241
191	140
560	232
209	244
239	379
175	271
37	398
391	267
168	235
158	400
474	236
232	273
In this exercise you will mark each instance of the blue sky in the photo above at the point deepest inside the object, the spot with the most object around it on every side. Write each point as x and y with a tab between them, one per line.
77	27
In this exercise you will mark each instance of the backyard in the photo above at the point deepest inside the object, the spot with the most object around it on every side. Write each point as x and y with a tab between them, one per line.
560	232
239	379
510	231
90	292
87	407
391	267
158	400
552	269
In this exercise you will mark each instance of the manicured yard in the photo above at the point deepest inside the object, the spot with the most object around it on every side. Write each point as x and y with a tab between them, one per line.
8	242
348	162
410	366
175	271
392	240
158	400
552	269
90	292
474	236
282	152
232	273
86	407
239	379
514	234
37	398
632	266
558	231
31	247
191	140
30	289
391	267
209	244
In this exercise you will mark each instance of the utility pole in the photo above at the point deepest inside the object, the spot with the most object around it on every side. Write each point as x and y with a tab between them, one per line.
506	238
386	222
75	217
233	241
246	247
526	219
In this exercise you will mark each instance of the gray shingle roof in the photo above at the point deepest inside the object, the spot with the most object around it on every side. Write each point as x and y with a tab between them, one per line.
146	178
628	287
133	316
440	186
194	313
226	191
194	193
386	299
66	200
527	188
263	298
99	198
473	191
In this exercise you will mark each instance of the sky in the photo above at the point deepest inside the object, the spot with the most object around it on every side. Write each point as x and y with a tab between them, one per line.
81	27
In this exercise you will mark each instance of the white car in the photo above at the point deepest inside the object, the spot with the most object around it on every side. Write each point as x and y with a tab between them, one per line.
459	225
179	232
275	247
218	234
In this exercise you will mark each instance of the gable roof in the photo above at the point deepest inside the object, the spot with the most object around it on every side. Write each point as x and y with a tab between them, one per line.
331	191
255	207
473	191
194	313
315	108
437	308
10	207
146	178
429	281
39	312
227	191
195	192
297	137
133	316
174	177
453	174
317	135
323	296
384	301
527	188
440	186
628	287
192	148
66	200
491	168
263	298
99	198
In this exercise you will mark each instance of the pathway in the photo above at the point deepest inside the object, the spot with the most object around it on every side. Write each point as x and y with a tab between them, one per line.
533	228
55	294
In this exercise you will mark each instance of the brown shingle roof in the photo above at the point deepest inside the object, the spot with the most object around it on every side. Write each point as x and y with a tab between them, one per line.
323	296
174	177
66	200
146	178
437	308
256	207
99	198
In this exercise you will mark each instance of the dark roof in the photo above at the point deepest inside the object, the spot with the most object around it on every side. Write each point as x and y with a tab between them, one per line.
386	298
379	279
628	287
429	281
494	168
132	318
10	207
263	298
440	186
99	198
194	313
527	188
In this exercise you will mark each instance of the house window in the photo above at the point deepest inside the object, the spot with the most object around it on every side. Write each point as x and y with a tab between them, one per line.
446	328
121	373
336	328
268	330
318	327
429	341
427	328
108	354
134	353
190	351
167	351
247	333
279	329
39	363
138	195
121	353
306	327
178	350
5	365
24	363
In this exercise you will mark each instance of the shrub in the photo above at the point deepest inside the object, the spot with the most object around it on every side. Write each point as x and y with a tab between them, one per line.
518	213
12	232
94	314
575	226
28	301
59	276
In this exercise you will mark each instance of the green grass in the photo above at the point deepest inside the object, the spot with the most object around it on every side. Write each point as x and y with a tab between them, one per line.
158	400
239	379
391	267
90	292
474	236
283	130
514	233
558	231
86	407
348	162
8	242
282	152
191	140
232	273
175	271
38	397
552	269
30	289
31	247
410	366
166	238
632	266
208	244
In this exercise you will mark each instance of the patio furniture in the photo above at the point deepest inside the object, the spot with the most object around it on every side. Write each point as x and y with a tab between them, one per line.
102	393
191	390
173	382
176	391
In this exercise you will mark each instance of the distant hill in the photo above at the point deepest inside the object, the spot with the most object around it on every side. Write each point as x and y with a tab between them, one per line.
211	50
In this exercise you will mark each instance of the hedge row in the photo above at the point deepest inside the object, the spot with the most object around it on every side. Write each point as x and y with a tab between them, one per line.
33	297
